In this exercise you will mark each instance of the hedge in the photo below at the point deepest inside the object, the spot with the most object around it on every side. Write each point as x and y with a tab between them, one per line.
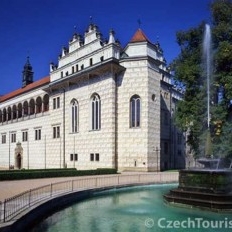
48	173
34	170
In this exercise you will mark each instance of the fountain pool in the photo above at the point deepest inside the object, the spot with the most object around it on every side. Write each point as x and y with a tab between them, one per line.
133	209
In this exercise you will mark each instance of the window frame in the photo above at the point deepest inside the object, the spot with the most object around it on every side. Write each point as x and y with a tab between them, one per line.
135	111
3	138
95	107
91	157
13	137
56	103
38	133
97	157
74	116
24	136
56	132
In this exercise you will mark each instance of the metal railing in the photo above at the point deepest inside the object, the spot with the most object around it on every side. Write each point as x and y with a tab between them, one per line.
1	212
13	206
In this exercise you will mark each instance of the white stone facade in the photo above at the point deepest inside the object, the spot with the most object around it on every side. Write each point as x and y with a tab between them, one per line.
99	77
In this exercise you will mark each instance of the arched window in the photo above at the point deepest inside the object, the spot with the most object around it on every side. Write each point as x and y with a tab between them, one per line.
38	107
32	106
74	116
95	112
14	112
4	115
45	103
135	108
20	110
0	115
9	113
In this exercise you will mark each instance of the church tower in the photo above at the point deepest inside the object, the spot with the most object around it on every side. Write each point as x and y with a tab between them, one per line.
27	73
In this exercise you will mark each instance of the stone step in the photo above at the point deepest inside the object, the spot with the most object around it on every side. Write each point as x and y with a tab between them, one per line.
199	202
201	195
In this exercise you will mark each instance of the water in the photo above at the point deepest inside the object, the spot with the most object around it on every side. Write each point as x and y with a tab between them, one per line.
208	66
137	209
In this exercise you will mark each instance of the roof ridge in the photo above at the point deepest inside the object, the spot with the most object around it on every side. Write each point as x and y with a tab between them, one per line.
27	88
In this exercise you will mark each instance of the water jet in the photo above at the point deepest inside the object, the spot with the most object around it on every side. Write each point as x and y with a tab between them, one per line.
208	187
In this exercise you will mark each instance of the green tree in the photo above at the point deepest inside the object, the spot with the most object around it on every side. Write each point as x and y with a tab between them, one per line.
191	114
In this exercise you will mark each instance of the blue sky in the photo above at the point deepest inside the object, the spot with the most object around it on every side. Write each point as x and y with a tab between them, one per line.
39	28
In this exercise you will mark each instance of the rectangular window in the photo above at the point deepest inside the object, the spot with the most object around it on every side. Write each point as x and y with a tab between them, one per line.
91	157
102	58
4	138
56	103
24	136
38	134
73	157
97	157
61	74
56	132
90	61
77	68
94	157
13	137
73	69
82	67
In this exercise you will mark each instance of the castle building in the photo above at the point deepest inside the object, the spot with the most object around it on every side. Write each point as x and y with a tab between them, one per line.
102	106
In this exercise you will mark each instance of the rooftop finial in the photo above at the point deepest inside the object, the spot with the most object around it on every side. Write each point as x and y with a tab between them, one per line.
139	23
157	41
28	55
91	19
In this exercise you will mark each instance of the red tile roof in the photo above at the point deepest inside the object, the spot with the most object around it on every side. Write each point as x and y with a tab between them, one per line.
27	88
139	36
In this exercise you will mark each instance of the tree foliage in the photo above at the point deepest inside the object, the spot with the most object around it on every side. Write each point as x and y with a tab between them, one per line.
191	114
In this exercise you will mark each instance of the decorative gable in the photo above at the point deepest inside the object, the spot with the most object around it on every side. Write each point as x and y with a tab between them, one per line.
83	53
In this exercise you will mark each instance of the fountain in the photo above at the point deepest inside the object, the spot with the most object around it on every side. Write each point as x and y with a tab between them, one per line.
209	187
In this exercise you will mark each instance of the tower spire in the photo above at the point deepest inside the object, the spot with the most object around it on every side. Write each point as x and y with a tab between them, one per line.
27	73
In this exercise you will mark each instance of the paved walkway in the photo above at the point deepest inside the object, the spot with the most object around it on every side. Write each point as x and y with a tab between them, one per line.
11	188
